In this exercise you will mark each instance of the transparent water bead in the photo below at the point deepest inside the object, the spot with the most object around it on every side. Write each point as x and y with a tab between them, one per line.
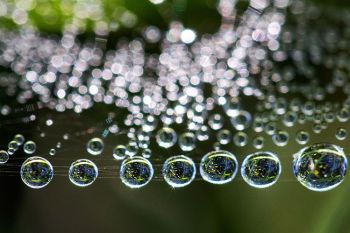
203	133
224	136
166	137
4	157
242	120
302	137
216	121
261	169
132	148
320	167
240	139
95	146
36	172
290	119
187	141
179	171
218	167
52	152
258	142
29	147
11	151
280	138
19	138
119	152
147	153
341	134
83	172
136	172
13	145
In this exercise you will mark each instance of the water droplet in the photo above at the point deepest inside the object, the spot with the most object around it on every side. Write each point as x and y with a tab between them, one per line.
317	128
83	172
216	121
341	134
258	126
150	124
147	153
166	137
218	167
136	172
187	141
242	120
49	122
290	119
95	146
240	139
19	138
280	138
11	151
66	136
179	171
261	169
119	152
270	128
52	152
343	115
36	172
29	147
329	117
13	145
224	136
320	167
4	157
302	137
132	148
258	142
203	133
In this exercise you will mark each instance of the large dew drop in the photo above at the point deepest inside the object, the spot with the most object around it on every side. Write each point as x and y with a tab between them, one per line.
218	167
179	171
136	172
320	167
83	172
261	169
36	172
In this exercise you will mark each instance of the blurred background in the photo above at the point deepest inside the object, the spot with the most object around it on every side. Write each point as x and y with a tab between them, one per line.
109	206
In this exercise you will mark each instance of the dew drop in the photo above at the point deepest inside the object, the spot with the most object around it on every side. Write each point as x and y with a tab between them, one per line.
29	147
4	157
36	172
240	139
166	137
119	152
187	141
302	137
95	146
341	134
280	138
224	136
136	172
179	171
218	167
261	169
320	167
83	172
19	138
